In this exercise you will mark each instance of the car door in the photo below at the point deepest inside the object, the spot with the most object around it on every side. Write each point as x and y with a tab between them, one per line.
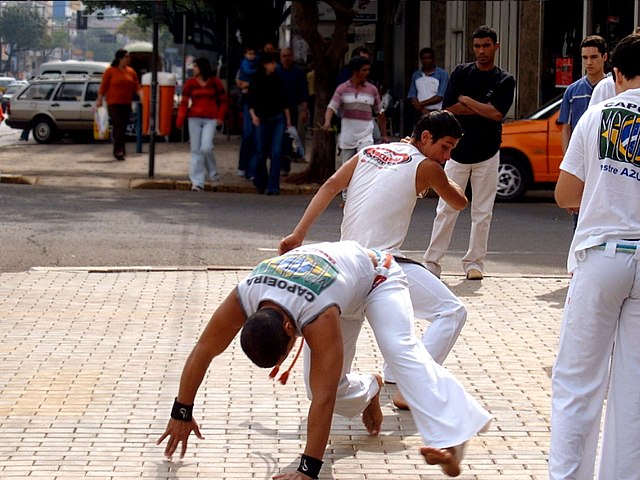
68	105
89	103
34	100
555	146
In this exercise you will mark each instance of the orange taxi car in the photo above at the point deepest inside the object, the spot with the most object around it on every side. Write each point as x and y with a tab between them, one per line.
530	153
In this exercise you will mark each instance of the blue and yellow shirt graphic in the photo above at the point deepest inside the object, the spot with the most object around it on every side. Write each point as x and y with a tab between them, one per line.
620	135
312	272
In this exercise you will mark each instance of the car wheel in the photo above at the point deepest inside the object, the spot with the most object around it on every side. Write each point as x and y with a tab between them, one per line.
44	131
513	178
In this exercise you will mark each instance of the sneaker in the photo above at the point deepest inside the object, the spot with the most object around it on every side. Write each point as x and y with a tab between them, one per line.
196	188
474	274
215	178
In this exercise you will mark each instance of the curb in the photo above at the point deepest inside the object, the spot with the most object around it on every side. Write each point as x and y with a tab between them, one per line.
144	184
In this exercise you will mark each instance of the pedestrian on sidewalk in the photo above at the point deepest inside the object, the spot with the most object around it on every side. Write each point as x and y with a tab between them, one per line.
356	101
428	84
119	85
203	105
245	74
384	182
304	293
598	356
295	82
270	115
479	94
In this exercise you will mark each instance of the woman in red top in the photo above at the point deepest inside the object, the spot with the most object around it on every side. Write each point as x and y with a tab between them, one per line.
119	85
208	106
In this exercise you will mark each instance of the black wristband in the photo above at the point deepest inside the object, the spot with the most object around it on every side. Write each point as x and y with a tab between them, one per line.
310	466
180	411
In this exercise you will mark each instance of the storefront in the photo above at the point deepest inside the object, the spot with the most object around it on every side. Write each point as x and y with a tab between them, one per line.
565	24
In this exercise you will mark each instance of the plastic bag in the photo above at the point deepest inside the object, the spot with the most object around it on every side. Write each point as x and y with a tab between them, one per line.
101	123
296	144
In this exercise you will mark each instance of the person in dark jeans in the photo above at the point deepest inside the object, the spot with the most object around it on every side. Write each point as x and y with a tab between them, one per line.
297	99
267	100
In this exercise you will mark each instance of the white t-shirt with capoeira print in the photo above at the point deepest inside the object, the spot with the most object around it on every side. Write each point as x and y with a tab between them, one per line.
610	170
309	279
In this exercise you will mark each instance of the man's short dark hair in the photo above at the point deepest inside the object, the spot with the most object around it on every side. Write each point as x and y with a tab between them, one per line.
358	51
485	31
595	41
428	50
439	123
268	57
263	338
625	56
356	63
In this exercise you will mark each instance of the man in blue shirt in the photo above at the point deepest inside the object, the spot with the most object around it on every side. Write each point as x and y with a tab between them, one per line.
428	84
575	100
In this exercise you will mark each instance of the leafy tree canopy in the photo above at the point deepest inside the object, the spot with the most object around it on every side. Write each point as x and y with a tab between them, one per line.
22	28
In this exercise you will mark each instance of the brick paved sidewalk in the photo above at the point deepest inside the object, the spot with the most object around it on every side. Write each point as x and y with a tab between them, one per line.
90	362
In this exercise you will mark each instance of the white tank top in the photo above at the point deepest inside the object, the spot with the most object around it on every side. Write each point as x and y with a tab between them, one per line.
381	196
309	279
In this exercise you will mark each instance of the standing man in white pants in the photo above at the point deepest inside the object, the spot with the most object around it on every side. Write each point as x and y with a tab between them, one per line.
598	356
383	184
304	293
479	94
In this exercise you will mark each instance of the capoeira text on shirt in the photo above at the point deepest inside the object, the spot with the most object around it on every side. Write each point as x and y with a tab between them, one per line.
283	285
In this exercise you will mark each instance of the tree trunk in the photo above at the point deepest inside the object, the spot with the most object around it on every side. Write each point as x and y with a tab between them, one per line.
327	58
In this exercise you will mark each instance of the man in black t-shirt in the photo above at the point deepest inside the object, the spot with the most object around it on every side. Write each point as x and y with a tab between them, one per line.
479	94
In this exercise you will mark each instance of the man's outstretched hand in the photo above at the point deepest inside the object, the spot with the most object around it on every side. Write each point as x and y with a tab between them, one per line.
178	431
289	243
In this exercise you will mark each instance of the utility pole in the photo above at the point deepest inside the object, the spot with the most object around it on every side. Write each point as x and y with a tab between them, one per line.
153	104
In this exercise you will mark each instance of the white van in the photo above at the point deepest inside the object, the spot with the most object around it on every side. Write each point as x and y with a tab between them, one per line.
72	67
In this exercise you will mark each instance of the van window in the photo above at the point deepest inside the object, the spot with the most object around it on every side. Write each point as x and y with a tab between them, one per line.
52	73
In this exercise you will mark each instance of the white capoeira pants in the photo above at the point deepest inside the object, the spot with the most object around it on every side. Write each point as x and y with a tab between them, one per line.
598	349
444	413
433	301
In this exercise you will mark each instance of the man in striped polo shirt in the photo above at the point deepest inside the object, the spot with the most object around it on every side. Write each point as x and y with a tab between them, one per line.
356	101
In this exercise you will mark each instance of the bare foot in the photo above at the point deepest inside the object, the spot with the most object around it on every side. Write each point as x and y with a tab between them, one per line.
445	457
400	402
372	415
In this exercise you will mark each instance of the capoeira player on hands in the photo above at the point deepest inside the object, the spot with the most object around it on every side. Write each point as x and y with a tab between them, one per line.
598	356
303	293
384	183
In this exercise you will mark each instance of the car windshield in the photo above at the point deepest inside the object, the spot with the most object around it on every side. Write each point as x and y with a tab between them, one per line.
11	89
547	109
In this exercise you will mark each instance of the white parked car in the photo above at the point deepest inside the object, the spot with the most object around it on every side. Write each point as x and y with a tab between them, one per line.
53	107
